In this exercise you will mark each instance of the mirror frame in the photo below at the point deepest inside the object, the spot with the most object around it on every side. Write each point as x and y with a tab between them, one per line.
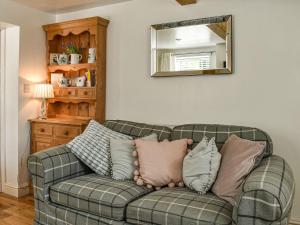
210	20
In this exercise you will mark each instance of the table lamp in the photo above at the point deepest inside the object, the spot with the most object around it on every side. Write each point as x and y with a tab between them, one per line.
43	91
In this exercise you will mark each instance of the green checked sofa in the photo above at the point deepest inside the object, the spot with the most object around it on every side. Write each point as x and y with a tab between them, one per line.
67	192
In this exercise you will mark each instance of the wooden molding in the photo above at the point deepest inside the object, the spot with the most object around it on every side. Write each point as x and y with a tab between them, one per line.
186	2
219	29
16	191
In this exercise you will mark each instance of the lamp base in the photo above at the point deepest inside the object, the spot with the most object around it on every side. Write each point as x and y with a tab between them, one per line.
43	114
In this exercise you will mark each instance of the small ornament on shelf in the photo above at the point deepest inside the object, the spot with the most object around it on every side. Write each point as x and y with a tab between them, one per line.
74	54
55	79
92	55
62	59
80	81
63	82
88	76
93	78
53	59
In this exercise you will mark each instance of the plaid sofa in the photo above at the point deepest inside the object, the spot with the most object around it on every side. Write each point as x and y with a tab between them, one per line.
67	192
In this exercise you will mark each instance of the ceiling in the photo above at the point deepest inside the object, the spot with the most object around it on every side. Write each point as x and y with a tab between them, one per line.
58	6
187	37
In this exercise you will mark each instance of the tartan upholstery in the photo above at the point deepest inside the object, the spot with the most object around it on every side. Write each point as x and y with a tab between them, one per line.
60	215
221	134
137	130
265	198
267	193
285	221
52	166
98	195
179	206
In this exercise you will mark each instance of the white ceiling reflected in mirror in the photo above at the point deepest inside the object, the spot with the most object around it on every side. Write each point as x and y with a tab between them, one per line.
194	47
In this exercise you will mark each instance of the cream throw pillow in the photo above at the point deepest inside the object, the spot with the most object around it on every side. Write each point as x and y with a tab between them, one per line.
201	165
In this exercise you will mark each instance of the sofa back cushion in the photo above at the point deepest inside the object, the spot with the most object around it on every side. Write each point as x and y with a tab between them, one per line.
138	130
221	134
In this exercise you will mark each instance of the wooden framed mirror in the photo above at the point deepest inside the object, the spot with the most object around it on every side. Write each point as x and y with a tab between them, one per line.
192	47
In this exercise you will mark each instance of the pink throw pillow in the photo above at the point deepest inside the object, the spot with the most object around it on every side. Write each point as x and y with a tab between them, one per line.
238	160
160	163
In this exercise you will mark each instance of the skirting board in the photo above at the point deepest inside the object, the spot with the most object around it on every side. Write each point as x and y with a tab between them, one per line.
16	191
295	221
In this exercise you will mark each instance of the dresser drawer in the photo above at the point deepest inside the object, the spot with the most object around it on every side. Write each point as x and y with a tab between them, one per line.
42	129
41	143
63	131
67	92
42	146
86	93
62	141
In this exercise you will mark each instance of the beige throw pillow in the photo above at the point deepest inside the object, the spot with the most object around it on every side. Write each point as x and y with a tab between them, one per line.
238	159
160	163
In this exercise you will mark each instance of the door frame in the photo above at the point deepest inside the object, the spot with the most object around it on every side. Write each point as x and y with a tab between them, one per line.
2	108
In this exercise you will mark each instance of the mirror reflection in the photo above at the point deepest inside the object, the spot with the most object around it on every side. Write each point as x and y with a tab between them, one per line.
195	47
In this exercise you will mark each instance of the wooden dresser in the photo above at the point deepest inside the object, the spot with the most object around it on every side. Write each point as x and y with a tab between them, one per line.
52	132
73	107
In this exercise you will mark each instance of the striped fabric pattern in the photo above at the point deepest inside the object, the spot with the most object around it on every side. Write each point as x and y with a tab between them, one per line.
98	195
267	193
92	147
138	130
179	206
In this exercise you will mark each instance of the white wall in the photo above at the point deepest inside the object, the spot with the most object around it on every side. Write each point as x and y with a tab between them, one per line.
31	69
263	91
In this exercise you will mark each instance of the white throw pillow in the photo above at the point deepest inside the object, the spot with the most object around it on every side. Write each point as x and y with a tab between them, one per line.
201	165
92	147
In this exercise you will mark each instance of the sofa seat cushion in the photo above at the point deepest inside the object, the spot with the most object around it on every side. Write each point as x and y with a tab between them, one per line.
179	206
98	195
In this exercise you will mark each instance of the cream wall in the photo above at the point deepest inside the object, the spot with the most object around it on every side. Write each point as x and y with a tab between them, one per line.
263	91
31	69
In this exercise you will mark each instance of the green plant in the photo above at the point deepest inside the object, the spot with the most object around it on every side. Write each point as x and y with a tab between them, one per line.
72	49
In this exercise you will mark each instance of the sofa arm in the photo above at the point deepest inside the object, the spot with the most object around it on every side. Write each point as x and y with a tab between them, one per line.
267	194
52	166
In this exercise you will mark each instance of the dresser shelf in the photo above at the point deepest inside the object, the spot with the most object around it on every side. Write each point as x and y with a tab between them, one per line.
72	67
72	100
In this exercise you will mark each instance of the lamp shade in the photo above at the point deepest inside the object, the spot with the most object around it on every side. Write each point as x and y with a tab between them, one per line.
43	91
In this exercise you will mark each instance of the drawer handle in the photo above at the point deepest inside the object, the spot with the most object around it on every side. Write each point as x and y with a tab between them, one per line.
69	93
85	93
66	133
42	130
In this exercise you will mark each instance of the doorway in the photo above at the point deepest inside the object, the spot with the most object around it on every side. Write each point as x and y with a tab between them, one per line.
2	41
9	108
2	70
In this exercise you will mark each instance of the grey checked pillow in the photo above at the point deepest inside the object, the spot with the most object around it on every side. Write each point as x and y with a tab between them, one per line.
201	166
92	147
